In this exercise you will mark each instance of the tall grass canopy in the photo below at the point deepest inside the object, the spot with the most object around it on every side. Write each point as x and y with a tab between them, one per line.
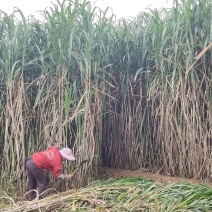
123	93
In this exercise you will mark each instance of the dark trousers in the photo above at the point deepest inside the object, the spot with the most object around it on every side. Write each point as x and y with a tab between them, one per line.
36	179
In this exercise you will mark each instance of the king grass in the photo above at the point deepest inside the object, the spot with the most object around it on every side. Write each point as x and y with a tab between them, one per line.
128	93
131	194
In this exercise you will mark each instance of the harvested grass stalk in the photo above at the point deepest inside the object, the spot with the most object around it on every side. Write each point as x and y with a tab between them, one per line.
131	194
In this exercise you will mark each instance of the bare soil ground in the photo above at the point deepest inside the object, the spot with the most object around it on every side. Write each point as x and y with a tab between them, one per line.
115	173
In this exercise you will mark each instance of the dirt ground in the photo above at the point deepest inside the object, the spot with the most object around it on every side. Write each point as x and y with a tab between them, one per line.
115	173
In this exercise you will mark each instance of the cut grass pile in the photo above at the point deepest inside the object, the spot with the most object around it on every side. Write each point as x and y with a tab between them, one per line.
131	194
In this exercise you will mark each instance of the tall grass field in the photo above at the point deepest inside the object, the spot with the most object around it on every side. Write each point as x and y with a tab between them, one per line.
123	93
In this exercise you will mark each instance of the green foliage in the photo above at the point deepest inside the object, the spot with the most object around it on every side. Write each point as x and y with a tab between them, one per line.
130	194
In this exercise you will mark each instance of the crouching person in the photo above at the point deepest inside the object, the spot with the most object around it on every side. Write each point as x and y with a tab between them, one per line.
50	160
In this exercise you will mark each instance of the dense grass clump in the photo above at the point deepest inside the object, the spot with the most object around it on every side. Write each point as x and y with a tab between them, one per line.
123	93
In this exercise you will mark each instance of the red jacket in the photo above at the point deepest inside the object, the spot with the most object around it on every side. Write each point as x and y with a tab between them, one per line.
50	160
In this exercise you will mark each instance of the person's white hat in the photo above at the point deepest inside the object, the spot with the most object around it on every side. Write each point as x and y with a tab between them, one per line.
67	154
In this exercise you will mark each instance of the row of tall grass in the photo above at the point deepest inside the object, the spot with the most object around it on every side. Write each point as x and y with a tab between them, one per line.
124	93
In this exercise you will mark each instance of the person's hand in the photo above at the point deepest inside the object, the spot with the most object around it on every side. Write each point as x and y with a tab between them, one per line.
69	176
